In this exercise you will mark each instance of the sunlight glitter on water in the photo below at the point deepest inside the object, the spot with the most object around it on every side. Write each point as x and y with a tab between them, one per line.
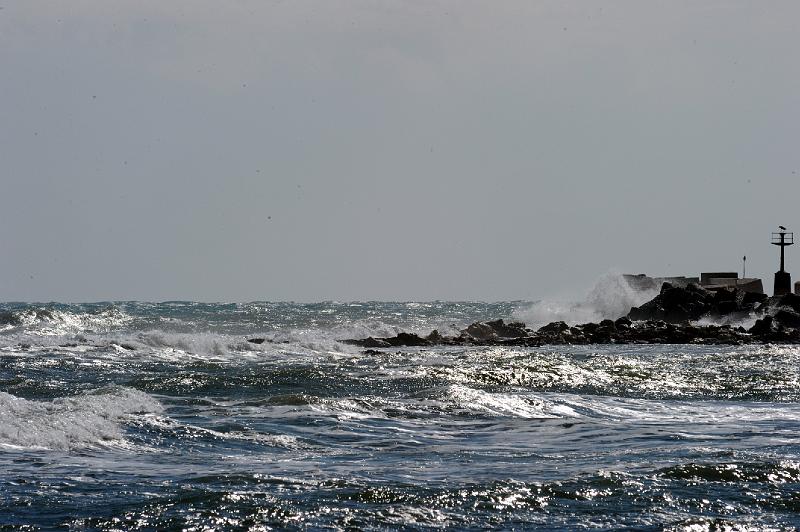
143	425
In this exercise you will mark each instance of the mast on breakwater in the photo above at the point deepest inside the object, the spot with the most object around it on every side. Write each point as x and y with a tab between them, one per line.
783	280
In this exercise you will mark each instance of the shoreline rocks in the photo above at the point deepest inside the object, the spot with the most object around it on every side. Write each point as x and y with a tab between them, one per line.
669	318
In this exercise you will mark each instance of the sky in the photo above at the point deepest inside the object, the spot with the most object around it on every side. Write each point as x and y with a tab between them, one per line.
383	150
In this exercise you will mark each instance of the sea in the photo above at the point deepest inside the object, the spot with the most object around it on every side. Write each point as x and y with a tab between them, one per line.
163	416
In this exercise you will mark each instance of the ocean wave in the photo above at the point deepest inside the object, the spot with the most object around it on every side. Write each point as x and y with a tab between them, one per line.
214	346
708	413
195	433
70	422
210	345
453	400
48	321
459	399
654	372
781	472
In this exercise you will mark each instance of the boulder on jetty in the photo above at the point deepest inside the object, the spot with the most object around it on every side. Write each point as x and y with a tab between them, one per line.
495	331
681	305
666	319
780	321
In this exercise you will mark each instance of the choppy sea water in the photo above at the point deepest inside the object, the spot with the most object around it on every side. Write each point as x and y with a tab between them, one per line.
162	416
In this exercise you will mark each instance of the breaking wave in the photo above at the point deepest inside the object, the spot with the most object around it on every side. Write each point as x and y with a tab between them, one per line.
70	422
466	400
53	321
451	400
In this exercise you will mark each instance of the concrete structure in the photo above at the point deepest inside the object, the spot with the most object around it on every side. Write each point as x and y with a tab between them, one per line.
747	284
719	280
783	280
707	277
797	288
783	283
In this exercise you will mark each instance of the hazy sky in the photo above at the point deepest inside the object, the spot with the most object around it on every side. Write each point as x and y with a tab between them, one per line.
257	150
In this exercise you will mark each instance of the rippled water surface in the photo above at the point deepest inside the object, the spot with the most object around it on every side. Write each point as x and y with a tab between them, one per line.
164	416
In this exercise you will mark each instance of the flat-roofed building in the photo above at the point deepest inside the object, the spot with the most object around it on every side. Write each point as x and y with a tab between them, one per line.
718	280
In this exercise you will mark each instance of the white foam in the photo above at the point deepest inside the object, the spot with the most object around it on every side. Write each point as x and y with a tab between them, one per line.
54	322
623	409
504	404
735	320
202	344
70	422
453	399
610	297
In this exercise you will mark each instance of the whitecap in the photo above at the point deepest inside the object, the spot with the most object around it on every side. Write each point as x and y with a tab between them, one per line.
69	422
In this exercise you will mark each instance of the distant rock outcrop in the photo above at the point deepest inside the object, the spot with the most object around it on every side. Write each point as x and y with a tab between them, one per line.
495	330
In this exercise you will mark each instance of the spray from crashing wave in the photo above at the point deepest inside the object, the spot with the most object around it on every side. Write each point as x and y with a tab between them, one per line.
610	298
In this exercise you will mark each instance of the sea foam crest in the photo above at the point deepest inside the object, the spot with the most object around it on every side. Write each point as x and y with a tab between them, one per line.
70	422
504	404
200	344
51	321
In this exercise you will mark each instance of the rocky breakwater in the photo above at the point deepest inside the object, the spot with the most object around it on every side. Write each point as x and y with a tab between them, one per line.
676	316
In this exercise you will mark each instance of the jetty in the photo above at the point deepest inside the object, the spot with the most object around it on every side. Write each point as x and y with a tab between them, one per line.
709	309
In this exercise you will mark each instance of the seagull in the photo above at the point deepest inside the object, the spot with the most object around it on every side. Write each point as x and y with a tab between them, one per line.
782	227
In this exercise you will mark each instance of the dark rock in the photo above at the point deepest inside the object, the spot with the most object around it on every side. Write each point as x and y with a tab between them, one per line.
498	329
725	294
774	303
787	318
638	314
623	323
727	307
751	299
681	305
554	327
513	329
480	331
791	300
256	340
435	338
608	324
369	342
405	340
762	326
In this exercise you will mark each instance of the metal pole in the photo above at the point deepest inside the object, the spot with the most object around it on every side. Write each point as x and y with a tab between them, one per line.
783	236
